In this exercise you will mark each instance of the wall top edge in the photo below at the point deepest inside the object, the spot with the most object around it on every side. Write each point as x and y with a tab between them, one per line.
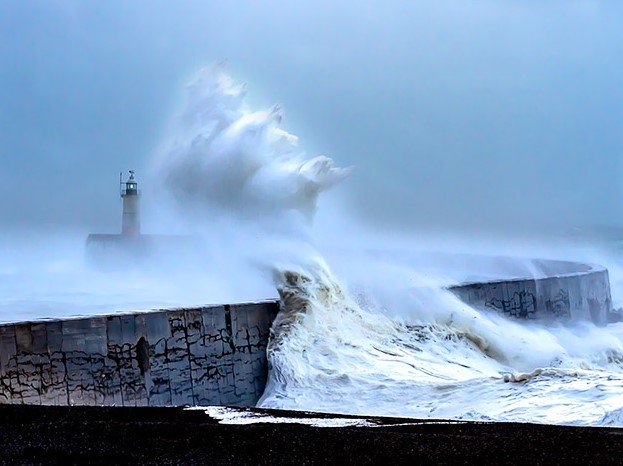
137	312
593	269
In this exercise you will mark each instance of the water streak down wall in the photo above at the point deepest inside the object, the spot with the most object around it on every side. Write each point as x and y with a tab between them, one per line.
201	356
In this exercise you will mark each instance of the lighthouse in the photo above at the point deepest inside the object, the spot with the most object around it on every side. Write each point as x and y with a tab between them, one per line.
131	219
117	250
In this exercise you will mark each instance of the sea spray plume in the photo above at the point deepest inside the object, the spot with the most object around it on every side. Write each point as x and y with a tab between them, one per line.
326	352
237	169
331	352
226	156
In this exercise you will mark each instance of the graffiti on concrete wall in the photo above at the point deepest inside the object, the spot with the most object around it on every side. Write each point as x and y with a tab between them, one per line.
581	295
522	304
169	358
559	305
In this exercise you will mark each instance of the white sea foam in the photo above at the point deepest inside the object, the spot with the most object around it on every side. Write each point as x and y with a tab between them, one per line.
383	339
331	353
398	344
242	417
224	155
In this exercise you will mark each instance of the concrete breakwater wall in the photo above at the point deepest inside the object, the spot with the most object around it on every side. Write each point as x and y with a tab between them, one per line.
560	290
201	356
217	355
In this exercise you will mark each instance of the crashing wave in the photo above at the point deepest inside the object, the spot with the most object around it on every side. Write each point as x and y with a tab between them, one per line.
418	353
329	353
226	156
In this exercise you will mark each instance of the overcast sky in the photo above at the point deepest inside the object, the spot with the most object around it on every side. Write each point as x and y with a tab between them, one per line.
467	113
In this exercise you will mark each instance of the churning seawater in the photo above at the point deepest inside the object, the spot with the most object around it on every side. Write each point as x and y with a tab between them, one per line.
388	344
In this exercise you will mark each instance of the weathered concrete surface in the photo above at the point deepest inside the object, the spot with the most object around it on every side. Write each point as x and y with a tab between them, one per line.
216	355
85	435
204	356
561	291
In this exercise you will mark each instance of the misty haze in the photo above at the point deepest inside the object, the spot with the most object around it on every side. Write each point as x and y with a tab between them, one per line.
408	209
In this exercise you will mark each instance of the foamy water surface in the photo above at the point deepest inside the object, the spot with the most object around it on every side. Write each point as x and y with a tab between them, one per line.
383	338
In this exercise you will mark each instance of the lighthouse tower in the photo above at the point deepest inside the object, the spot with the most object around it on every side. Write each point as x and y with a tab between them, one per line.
131	220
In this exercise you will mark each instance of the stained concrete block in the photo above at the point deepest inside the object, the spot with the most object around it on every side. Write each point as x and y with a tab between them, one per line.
178	360
212	355
243	368
114	356
84	346
8	346
571	291
56	385
157	380
213	321
133	387
198	356
8	350
23	338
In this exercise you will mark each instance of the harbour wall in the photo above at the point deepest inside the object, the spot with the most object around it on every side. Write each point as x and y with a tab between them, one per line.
216	355
201	356
559	290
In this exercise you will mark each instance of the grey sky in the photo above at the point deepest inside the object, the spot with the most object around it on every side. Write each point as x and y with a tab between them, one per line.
476	113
